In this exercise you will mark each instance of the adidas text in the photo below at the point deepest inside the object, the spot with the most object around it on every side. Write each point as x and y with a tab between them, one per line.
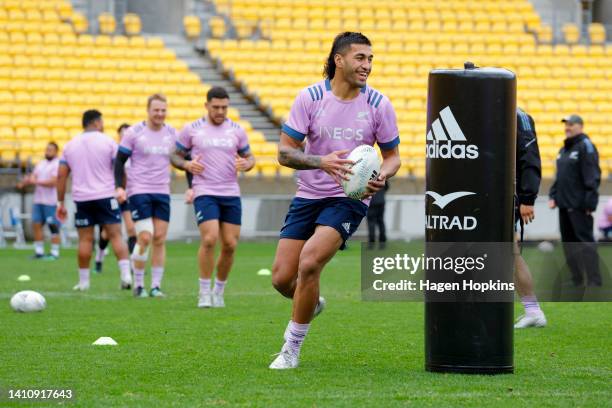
448	150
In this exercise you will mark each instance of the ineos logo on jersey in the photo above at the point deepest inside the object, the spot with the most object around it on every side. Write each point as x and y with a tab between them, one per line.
340	133
450	143
163	150
218	142
444	222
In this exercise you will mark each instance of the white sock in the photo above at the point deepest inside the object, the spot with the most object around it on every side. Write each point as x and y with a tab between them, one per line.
296	335
55	248
84	276
531	305
139	278
219	286
204	285
157	273
124	269
39	247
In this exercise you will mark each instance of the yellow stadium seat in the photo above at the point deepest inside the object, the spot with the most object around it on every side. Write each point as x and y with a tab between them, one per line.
132	24
597	33
64	9
153	42
545	33
106	23
217	27
102	41
79	22
571	33
192	26
286	172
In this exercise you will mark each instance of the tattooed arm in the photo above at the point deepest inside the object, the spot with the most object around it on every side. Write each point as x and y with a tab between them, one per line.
291	154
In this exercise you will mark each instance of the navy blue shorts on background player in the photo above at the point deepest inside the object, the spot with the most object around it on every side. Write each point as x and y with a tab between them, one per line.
145	206
103	211
224	209
341	213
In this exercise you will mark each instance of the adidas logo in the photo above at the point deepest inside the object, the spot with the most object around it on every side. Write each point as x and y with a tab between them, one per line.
445	139
362	115
347	227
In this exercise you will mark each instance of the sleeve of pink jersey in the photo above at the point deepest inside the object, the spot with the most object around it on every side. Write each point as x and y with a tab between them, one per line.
55	168
298	123
183	140
243	141
36	170
387	134
115	147
65	155
127	142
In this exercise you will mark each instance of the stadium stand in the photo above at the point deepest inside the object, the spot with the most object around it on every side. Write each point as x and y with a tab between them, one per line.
411	37
49	75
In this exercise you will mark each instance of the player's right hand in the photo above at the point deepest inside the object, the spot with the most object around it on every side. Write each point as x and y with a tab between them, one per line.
552	204
120	195
527	213
337	167
194	166
61	213
189	196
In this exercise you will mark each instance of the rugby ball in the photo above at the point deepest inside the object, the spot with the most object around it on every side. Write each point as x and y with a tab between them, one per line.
366	167
28	301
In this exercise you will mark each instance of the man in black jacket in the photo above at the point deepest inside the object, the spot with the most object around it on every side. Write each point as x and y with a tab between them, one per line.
528	177
575	192
376	217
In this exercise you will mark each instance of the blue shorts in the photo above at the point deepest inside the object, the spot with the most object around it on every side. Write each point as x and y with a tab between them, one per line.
224	209
341	213
103	211
145	206
44	214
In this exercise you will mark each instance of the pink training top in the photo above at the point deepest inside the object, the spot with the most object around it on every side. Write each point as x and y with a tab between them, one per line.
328	123
45	171
149	152
603	221
217	147
90	158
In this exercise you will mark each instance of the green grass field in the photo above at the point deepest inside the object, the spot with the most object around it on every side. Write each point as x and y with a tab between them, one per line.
357	353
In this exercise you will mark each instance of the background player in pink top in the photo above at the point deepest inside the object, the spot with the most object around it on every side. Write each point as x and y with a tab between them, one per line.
44	178
148	145
89	156
604	223
222	148
333	117
125	214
